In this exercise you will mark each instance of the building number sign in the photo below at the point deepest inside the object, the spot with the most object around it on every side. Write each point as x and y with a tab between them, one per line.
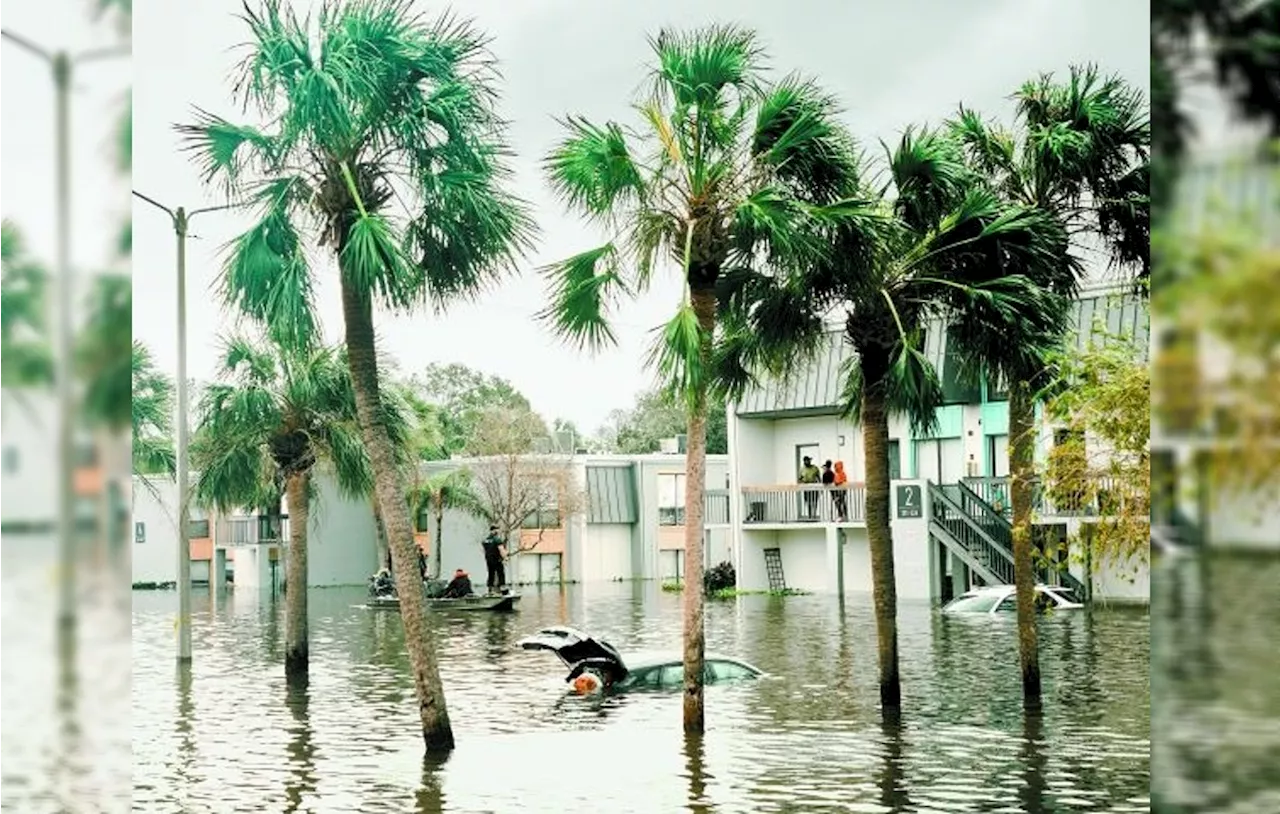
909	502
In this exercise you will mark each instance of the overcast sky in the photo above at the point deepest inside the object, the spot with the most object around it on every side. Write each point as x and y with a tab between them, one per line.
891	62
100	196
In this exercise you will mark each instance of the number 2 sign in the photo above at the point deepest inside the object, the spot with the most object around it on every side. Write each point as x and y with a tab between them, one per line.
909	502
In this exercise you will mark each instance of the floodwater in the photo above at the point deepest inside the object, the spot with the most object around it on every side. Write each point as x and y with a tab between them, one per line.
1216	683
230	736
64	702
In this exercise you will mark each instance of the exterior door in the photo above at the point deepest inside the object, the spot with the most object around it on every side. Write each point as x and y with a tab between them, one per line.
951	459
802	451
928	466
998	456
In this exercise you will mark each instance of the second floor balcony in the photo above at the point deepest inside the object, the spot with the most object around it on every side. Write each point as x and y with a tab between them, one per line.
251	530
804	503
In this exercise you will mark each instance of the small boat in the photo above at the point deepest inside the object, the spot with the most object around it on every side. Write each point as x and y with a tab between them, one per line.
481	602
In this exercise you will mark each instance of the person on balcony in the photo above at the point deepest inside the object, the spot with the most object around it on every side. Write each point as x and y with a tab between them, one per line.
809	476
839	498
459	586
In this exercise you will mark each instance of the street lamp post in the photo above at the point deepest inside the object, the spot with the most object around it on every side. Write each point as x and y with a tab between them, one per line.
181	219
62	64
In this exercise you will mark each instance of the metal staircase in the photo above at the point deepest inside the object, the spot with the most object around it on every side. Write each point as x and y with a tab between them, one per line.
982	538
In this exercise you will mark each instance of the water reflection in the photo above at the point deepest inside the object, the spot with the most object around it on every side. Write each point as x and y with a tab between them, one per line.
1216	685
807	737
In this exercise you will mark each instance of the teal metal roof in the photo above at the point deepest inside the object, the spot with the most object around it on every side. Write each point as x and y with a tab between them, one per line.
815	389
611	494
1243	192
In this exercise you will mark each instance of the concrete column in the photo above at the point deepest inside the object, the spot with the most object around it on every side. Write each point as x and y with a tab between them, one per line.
218	569
959	573
835	560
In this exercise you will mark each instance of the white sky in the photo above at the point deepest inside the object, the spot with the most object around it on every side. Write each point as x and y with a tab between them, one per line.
891	62
100	197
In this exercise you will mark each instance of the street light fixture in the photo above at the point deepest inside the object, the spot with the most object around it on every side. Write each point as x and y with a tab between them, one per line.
181	220
62	64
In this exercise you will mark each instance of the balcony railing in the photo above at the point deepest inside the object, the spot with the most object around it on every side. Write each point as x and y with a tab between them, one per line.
804	504
254	530
1103	498
715	510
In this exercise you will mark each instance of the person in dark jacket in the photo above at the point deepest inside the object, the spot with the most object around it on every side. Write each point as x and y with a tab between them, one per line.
459	586
495	551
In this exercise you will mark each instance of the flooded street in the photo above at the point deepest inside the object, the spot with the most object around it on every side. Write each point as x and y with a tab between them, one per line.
1216	685
229	735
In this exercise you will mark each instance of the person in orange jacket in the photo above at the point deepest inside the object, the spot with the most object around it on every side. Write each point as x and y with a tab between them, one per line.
839	497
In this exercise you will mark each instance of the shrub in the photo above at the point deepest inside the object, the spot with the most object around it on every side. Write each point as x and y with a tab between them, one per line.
720	578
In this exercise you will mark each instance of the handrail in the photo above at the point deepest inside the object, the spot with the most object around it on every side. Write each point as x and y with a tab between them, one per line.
965	529
804	503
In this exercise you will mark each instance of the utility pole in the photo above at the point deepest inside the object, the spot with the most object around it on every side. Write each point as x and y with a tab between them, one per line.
181	220
62	64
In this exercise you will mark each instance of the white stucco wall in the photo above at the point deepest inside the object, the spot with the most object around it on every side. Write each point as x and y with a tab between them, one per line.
341	537
156	558
1127	582
29	485
1245	521
606	552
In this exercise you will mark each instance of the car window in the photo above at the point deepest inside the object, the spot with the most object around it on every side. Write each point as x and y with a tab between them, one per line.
1008	605
727	671
1044	601
973	604
672	675
646	678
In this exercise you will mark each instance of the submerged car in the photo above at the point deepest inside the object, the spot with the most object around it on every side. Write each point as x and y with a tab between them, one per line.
1004	599
594	664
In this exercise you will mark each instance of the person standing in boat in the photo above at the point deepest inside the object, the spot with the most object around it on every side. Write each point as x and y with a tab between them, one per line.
495	551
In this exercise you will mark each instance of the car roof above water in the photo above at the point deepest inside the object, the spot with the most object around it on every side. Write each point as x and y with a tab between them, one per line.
656	658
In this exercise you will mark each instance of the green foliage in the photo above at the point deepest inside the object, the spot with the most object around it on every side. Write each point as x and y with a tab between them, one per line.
26	357
151	408
656	416
726	170
365	97
104	349
1104	396
461	396
277	412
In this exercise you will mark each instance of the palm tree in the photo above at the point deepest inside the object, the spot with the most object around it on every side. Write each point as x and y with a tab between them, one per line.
934	244
373	112
447	490
726	172
27	359
151	408
1082	157
275	414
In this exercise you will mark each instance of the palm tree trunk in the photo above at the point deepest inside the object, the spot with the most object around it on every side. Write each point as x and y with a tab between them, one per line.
695	644
1021	473
381	536
875	437
357	311
296	650
436	547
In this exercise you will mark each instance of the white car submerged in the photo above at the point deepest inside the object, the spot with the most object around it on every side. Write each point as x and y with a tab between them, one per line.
993	599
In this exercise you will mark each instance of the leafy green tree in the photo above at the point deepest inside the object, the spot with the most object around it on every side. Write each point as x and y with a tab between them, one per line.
655	417
935	244
151	409
461	395
272	418
726	170
104	348
1081	156
446	491
382	138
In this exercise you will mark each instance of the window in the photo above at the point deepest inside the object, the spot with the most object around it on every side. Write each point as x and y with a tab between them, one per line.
197	529
895	459
728	671
422	521
997	388
959	386
672	675
548	517
973	604
11	460
1008	605
671	499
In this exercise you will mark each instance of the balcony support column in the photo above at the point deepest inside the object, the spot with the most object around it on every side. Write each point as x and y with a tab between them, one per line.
218	571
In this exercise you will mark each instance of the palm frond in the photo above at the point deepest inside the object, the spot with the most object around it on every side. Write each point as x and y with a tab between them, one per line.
583	289
930	176
799	137
676	355
372	261
266	276
592	169
694	67
224	151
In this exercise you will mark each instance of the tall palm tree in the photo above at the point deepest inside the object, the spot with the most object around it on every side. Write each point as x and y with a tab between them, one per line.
1081	156
725	172
272	418
383	141
442	492
933	244
151	409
